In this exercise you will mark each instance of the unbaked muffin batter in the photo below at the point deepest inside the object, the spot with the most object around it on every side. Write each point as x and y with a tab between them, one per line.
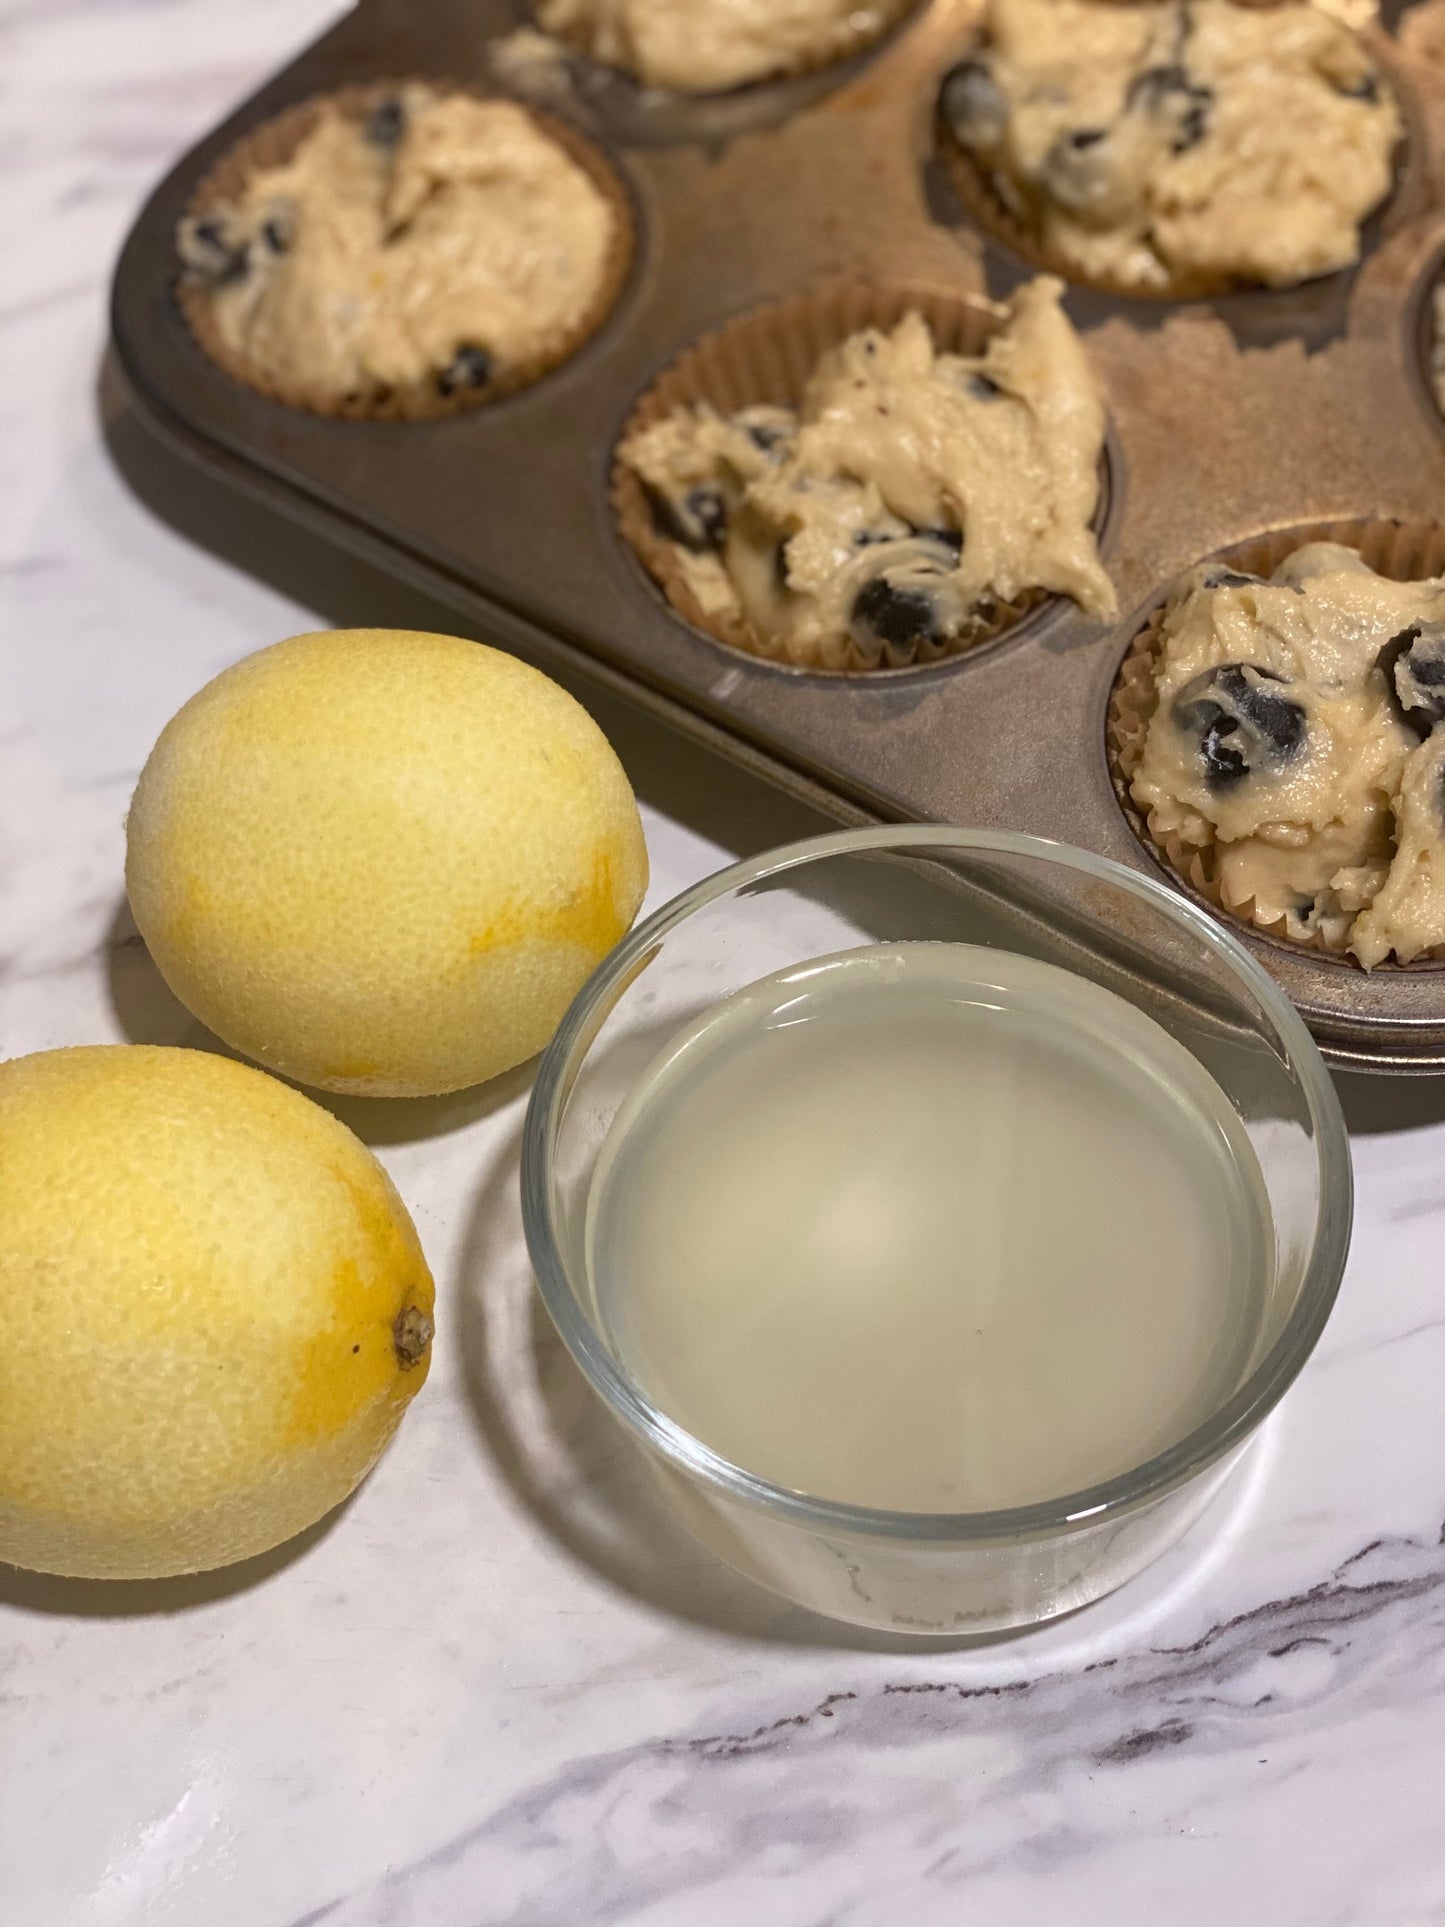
706	46
442	240
1407	915
1145	145
1296	731
909	491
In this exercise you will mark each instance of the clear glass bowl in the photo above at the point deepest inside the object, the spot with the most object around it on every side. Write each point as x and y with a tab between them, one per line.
927	1573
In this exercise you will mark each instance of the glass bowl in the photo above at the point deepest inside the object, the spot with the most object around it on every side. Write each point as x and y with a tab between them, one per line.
945	1573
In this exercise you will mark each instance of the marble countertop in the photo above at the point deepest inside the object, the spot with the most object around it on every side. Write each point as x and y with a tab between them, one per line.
498	1686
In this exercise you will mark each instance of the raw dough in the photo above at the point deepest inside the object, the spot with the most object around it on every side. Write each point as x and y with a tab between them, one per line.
441	241
1407	915
910	489
1288	734
706	46
1149	144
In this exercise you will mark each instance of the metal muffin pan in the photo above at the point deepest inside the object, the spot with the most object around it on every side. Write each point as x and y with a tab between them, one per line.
1228	418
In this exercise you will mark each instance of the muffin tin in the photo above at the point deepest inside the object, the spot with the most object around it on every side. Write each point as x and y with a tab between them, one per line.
1228	419
980	195
275	143
767	356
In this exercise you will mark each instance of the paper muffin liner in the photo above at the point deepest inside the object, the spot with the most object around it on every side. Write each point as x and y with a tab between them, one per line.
813	62
276	141
977	190
767	357
1405	552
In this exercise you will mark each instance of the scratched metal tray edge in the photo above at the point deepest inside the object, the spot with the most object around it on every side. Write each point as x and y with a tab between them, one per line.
1348	1043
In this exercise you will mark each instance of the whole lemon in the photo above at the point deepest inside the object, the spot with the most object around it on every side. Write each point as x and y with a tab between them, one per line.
214	1306
383	862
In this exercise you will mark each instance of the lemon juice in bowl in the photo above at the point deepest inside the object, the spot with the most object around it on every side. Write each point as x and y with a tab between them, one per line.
943	1211
930	1227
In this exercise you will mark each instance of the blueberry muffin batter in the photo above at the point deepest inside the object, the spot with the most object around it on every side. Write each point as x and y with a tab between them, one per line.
1195	144
436	246
1407	915
910	494
1296	733
707	46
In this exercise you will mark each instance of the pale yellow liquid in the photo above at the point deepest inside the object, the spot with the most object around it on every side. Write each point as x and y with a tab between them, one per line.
931	1227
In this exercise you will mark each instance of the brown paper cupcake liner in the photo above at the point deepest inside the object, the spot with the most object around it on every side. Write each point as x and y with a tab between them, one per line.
797	69
1405	552
979	192
275	141
767	357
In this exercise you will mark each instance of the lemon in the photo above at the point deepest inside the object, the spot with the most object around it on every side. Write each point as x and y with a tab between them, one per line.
383	862
213	1306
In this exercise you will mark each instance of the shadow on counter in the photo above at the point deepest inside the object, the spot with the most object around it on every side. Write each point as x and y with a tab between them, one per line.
42	1592
1376	1105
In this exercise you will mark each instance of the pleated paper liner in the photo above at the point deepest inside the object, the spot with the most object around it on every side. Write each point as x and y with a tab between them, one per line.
767	357
849	45
979	193
276	141
1406	552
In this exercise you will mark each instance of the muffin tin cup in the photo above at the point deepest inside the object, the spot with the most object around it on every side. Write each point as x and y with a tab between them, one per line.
979	195
1405	552
980	198
275	142
850	47
767	357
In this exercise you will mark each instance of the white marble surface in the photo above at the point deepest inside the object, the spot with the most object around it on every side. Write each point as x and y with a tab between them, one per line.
497	1687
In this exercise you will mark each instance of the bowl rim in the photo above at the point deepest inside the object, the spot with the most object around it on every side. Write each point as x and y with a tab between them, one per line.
1227	1428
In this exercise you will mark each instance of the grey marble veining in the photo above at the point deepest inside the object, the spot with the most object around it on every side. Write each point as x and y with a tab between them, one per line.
498	1686
704	1809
